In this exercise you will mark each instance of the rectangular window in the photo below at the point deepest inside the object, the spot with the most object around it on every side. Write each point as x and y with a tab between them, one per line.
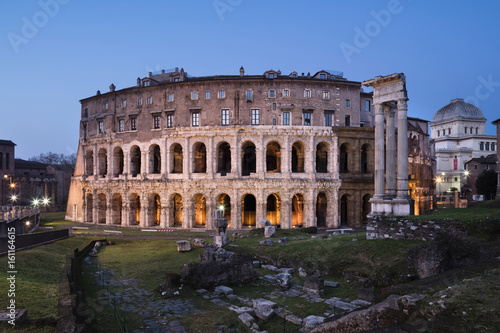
326	95
476	130
84	132
145	83
124	103
449	131
176	79
149	100
106	106
487	146
367	106
322	76
286	93
222	94
156	122
170	97
194	95
207	94
348	120
271	75
492	146
100	123
170	120
255	116
272	93
471	130
465	129
347	103
121	125
307	118
249	95
481	146
139	101
274	106
225	117
286	118
328	119
86	112
133	124
195	119
307	92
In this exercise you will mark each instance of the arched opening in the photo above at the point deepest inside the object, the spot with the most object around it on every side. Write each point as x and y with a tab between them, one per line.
366	158
322	157
102	162
321	210
249	208
344	158
224	158
177	211
135	161
273	213
273	157
199	158
154	159
135	209
89	162
344	222
156	205
90	208
248	159
366	207
118	161
200	210
298	210
224	201
116	208
176	159
101	208
298	157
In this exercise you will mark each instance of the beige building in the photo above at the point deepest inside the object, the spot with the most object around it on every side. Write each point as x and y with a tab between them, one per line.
174	148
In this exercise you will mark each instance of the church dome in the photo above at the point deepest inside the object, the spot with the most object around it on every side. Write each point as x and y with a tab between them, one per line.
460	110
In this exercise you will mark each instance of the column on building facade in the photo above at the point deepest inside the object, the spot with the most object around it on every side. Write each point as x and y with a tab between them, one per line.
236	157
402	149
260	210
95	208
166	208
211	206
144	210
235	210
95	160
310	158
285	156
109	209
125	209
260	156
187	212
286	214
165	159
334	164
309	212
211	157
379	151
390	175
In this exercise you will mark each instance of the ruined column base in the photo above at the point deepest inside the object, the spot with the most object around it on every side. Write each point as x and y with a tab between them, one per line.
221	240
390	207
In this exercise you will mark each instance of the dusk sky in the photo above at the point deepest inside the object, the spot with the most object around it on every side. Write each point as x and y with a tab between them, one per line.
56	52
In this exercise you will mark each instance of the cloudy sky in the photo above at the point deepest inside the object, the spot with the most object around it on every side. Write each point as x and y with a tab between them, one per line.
55	52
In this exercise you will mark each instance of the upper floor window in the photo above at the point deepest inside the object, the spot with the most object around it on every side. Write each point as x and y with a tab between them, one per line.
221	94
249	95
322	76
106	106
328	119
86	112
481	146
326	95
487	146
176	79
156	121
207	94
444	132
149	100
145	83
170	97
271	75
194	95
477	130
286	118
195	119
100	124
492	146
170	120
348	120
307	118
307	92
255	117
121	125
286	93
225	117
367	106
439	133
465	129
139	101
272	93
471	130
124	103
347	103
133	124
449	131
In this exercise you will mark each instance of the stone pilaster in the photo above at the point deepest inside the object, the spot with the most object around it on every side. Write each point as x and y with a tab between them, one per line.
390	174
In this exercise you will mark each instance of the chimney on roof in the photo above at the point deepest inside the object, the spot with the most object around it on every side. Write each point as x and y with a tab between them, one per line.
302	74
138	81
150	74
98	92
279	71
176	69
163	71
242	71
308	74
112	87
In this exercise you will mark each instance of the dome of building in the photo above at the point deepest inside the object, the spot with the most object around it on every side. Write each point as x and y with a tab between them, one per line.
458	109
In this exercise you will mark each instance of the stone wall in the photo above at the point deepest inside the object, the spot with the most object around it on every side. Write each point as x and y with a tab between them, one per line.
383	227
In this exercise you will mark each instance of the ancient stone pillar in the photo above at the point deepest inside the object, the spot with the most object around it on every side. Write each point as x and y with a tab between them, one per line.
95	209
109	209
125	210
235	210
260	212
379	151
390	174
402	149
286	214
211	206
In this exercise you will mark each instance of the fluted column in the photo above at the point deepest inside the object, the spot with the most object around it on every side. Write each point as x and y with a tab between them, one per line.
379	151
402	149
390	174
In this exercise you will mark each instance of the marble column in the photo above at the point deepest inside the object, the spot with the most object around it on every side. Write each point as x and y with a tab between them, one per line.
402	149
379	151
390	174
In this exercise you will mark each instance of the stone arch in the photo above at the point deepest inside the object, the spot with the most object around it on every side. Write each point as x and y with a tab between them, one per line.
273	157
177	209
135	161
321	209
297	210
248	158
344	211
367	158
89	162
118	161
200	210
135	209
344	158
90	208
366	207
101	208
199	158
298	153
273	209
155	209
322	150
176	158
225	201
116	209
102	158
154	159
249	210
223	158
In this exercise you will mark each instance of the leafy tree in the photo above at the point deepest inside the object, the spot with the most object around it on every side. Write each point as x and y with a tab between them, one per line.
53	158
486	184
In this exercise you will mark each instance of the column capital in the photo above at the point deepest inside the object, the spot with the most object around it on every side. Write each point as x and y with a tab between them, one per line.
403	104
379	108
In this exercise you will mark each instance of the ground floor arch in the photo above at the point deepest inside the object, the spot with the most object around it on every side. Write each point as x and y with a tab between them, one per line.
297	210
224	203
273	209
249	210
177	210
200	211
101	208
321	210
116	209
